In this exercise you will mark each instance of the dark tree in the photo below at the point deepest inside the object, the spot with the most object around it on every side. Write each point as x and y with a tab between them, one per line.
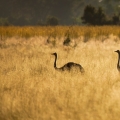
93	16
115	20
89	15
100	17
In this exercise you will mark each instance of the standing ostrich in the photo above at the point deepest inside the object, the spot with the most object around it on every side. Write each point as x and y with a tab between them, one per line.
118	64
68	66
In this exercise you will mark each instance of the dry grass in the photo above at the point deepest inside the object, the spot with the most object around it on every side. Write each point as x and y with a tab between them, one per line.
59	31
30	88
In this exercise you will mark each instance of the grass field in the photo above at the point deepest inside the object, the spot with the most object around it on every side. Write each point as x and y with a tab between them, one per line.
31	89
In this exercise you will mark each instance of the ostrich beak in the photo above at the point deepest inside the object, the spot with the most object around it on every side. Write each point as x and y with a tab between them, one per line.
116	51
53	54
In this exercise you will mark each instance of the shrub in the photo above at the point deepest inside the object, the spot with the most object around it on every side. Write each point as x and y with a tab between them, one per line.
4	22
52	21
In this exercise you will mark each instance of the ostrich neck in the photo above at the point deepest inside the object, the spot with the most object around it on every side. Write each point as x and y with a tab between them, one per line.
55	62
118	59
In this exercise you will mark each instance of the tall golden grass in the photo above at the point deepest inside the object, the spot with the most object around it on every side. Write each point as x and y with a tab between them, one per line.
31	89
59	31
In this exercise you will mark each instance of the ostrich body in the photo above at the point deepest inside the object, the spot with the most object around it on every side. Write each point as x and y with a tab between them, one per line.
118	64
68	66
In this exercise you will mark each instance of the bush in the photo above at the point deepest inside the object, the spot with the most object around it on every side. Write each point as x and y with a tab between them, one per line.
4	22
52	21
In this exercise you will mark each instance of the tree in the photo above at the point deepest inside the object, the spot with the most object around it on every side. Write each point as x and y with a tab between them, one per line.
115	19
100	17
93	16
89	15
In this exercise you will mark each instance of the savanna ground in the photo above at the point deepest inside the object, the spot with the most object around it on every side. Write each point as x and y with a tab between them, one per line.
31	89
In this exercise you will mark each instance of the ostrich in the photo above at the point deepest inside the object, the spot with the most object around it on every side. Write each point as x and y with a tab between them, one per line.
118	64
68	66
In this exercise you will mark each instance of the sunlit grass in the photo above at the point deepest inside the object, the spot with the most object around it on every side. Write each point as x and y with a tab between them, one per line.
30	88
59	31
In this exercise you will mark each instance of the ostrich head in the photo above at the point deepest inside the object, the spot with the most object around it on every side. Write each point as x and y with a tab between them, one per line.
54	54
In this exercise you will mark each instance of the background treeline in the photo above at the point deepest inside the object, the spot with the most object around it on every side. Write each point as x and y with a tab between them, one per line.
63	12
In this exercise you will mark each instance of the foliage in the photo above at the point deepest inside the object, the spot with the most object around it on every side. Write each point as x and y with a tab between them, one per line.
115	20
4	22
89	15
100	17
96	16
52	21
21	12
93	16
